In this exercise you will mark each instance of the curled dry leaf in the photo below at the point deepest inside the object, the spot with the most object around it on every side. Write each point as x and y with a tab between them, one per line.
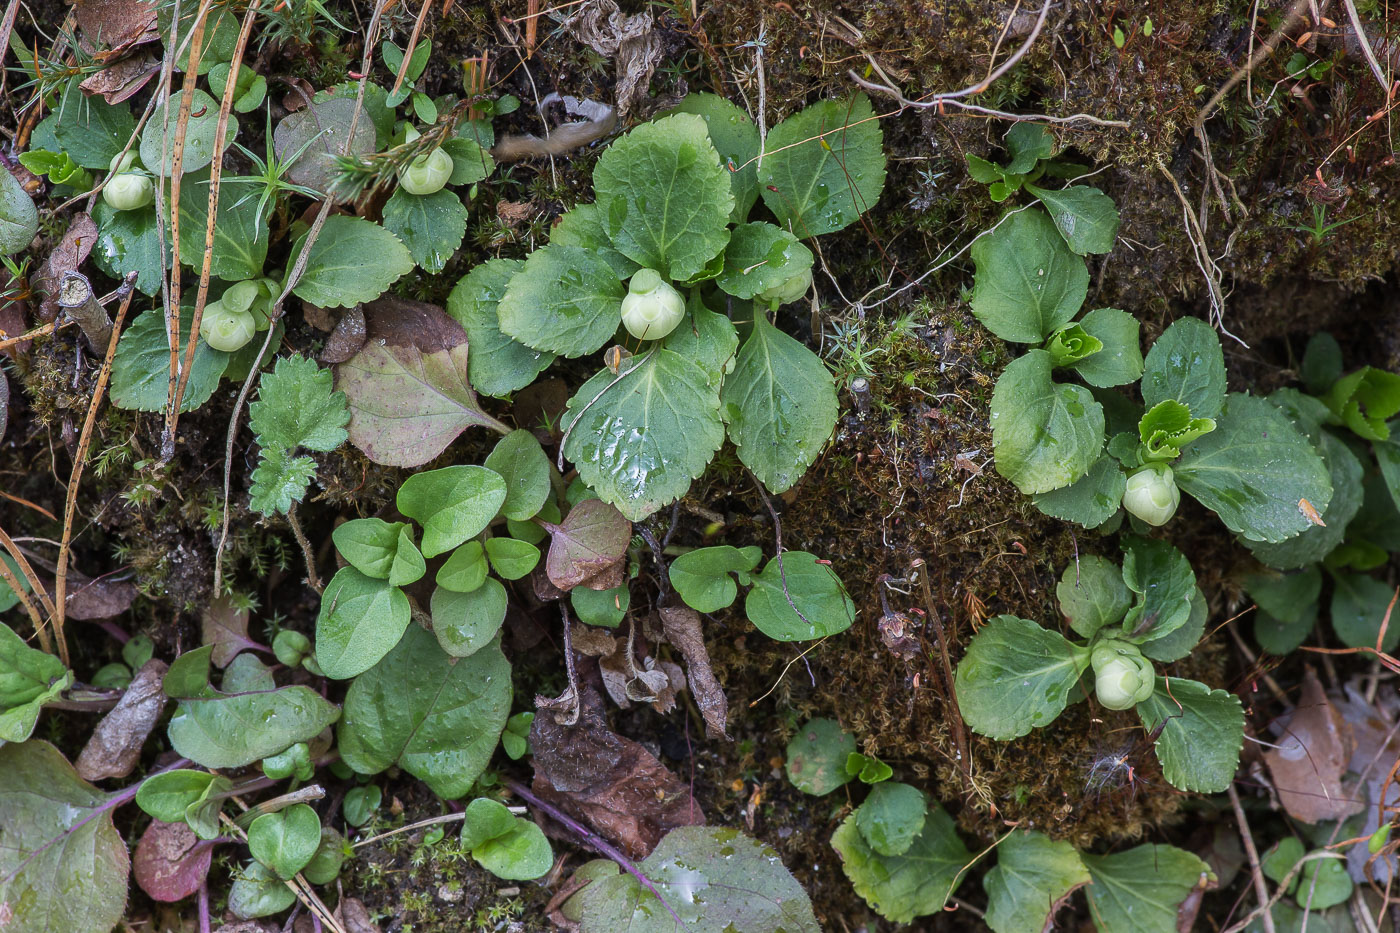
70	253
116	24
226	628
608	782
347	338
588	547
681	626
632	40
1312	754
171	861
355	917
122	80
115	745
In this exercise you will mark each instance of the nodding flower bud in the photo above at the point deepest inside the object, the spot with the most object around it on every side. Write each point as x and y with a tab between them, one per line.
224	329
1152	495
1123	678
128	191
794	288
652	308
427	173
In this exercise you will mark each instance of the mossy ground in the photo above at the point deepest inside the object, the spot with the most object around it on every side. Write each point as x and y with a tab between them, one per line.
909	474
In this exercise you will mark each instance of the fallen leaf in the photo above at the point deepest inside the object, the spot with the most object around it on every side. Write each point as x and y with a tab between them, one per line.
120	81
593	642
632	40
117	24
899	632
313	136
226	628
611	783
171	861
96	599
70	253
1311	756
115	745
355	917
588	547
681	626
347	338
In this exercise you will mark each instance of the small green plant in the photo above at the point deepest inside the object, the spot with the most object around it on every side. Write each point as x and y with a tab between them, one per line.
1017	675
504	844
296	408
1319	229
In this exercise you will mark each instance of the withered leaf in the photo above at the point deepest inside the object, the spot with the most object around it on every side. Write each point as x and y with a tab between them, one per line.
96	599
588	546
1311	757
681	625
70	253
171	861
115	745
117	24
226	628
347	338
121	80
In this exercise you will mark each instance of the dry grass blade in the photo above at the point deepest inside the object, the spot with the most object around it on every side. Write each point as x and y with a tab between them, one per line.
412	44
35	586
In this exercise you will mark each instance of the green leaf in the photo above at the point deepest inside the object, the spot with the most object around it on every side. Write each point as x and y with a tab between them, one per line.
285	841
1167	427
1279	636
438	718
761	256
1363	400
1070	344
891	817
1092	594
1388	458
639	437
497	364
914	884
822	606
824	166
29	678
240	234
816	756
736	140
1092	499
1085	217
1254	470
522	463
234	731
1026	144
1028	284
1322	363
702	576
1142	888
297	406
485	819
1045	435
452	504
257	892
664	199
584	225
1033	876
92	131
330	855
360	804
1163	580
308	140
361	619
1177	644
465	622
564	300
604	608
1317	541
63	865
430	225
1186	365
246	674
127	242
521	854
19	218
141	369
380	549
1359	604
279	480
471	162
184	795
353	261
780	406
465	569
199	134
705	338
510	558
1324	883
1199	747
1016	676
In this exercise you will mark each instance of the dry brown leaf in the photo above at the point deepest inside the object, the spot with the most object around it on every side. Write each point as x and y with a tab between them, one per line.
96	599
115	745
120	81
610	783
1311	757
400	322
116	24
226	628
66	257
593	642
346	339
355	917
632	40
681	626
170	861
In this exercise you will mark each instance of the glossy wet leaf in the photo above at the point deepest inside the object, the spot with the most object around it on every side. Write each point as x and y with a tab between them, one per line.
1033	876
234	731
466	622
1046	435
452	504
1028	283
779	405
816	756
379	549
437	718
663	197
329	856
1085	216
1163	581
583	225
160	134
240	234
707	339
1199	747
1317	541
917	882
92	131
465	568
497	364
1016	676
19	218
704	577
1141	889
522	853
310	139
716	879
639	437
29	678
798	599
522	463
565	300
141	368
1187	365
257	892
170	795
285	841
1253	470
1092	594
823	166
63	867
1092	499
127	241
360	620
761	256
735	138
1177	644
510	558
430	225
353	261
590	541
891	817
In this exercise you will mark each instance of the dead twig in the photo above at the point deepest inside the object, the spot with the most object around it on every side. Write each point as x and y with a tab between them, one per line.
1261	888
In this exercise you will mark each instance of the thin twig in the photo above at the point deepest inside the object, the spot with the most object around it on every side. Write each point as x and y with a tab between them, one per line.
312	580
1366	47
950	694
1261	889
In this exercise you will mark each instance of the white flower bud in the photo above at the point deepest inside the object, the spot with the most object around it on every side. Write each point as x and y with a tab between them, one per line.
794	288
652	308
122	163
226	330
1152	495
128	191
427	173
1123	678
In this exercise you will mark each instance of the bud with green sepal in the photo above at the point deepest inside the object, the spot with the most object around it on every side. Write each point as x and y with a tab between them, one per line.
426	174
1151	494
794	288
652	308
1123	678
225	329
127	190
